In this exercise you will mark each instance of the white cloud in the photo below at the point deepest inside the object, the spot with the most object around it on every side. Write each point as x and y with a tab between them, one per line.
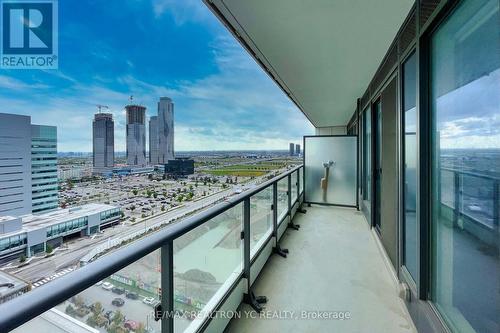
237	107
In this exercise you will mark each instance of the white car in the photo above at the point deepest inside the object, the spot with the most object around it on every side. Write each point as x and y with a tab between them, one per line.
107	286
148	300
98	283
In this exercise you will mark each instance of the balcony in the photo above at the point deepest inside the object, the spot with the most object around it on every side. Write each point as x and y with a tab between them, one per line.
335	265
215	260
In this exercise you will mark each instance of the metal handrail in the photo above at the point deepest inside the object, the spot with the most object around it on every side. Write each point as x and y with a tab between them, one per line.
34	303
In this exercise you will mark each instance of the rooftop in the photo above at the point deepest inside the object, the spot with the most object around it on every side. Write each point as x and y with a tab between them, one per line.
62	215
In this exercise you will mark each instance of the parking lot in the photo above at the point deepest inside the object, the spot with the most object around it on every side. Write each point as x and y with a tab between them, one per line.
142	196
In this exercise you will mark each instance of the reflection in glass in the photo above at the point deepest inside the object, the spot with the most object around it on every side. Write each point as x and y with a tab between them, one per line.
465	110
207	261
261	218
410	164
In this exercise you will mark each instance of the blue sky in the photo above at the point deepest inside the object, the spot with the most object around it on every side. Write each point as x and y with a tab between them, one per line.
109	50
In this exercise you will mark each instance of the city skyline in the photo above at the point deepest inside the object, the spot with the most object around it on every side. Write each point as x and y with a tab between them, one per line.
218	90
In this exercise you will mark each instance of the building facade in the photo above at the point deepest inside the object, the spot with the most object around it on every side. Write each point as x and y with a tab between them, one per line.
292	149
103	141
15	164
44	186
181	166
297	149
30	234
136	135
153	140
165	130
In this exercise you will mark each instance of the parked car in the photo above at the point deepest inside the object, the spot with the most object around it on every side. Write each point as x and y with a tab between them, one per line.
107	286
118	290
118	301
132	295
131	325
109	315
148	300
98	283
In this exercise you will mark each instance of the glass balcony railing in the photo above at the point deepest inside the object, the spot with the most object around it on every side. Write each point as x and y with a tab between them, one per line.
172	280
470	196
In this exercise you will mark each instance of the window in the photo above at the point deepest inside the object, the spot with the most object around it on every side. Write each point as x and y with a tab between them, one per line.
465	116
367	134
410	164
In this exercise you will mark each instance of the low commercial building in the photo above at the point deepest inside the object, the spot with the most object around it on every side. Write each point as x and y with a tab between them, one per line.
30	234
181	166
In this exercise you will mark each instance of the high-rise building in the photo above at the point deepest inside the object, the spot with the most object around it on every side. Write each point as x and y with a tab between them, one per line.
44	186
103	140
153	140
292	149
15	164
165	130
136	135
297	149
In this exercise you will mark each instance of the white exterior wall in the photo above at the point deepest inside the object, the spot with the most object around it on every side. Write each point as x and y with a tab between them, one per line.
332	130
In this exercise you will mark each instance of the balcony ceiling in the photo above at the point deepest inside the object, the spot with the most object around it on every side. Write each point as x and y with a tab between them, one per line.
323	53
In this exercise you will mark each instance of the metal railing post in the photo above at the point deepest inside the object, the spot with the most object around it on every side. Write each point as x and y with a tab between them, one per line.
275	212
297	184
246	241
167	287
249	297
276	249
289	194
290	223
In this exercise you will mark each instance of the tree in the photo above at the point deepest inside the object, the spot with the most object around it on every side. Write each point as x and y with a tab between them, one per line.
97	309
132	208
22	258
49	249
155	195
118	317
135	191
163	208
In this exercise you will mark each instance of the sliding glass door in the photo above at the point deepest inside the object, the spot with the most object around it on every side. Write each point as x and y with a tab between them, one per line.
465	117
410	158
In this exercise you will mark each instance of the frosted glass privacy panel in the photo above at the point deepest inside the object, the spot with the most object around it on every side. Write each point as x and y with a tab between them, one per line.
330	169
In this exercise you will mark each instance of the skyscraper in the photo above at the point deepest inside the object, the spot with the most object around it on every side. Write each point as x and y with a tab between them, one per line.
153	140
15	164
165	130
136	135
103	138
297	149
292	149
44	186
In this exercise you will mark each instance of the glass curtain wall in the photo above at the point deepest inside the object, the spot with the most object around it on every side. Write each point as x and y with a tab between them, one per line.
465	111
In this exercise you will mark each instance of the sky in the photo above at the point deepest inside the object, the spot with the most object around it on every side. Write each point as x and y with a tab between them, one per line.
109	50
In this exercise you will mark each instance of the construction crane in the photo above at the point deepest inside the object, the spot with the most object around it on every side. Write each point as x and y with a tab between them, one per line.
100	107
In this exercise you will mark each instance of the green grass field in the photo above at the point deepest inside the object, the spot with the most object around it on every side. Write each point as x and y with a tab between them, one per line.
246	170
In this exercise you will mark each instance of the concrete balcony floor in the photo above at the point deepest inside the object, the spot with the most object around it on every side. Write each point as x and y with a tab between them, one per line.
334	264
